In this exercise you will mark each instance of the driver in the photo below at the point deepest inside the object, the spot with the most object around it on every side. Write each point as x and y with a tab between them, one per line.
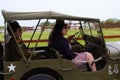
61	44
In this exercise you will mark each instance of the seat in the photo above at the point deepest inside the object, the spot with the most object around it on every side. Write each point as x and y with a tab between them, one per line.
1	51
1	60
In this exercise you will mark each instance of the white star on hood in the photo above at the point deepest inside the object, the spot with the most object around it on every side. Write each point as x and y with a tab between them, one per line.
11	68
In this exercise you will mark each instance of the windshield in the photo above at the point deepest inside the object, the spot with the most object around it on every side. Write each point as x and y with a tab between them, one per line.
91	28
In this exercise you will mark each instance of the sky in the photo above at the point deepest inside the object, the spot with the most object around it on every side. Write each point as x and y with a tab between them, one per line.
102	9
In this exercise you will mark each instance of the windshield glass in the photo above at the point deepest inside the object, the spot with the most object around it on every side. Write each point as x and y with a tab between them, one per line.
91	28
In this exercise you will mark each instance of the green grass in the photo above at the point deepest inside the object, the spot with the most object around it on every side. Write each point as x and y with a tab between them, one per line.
111	32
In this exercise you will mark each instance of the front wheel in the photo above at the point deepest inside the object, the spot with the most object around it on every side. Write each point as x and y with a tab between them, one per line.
41	74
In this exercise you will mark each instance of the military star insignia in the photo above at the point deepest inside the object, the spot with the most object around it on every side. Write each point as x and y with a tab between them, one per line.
11	68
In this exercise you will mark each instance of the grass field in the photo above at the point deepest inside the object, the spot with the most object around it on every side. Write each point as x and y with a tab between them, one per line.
106	32
111	32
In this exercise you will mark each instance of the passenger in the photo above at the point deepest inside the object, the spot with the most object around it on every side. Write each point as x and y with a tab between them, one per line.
13	52
61	44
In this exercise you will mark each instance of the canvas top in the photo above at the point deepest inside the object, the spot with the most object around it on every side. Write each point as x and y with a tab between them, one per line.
10	15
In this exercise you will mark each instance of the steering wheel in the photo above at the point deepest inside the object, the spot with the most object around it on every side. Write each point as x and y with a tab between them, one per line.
77	43
73	41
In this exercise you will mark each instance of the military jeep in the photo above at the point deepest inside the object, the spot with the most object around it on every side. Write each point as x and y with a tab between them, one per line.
49	63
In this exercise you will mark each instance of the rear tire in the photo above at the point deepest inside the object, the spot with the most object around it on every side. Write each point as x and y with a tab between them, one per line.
41	74
41	77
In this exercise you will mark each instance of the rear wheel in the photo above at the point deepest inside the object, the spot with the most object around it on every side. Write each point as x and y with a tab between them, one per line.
41	77
41	74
